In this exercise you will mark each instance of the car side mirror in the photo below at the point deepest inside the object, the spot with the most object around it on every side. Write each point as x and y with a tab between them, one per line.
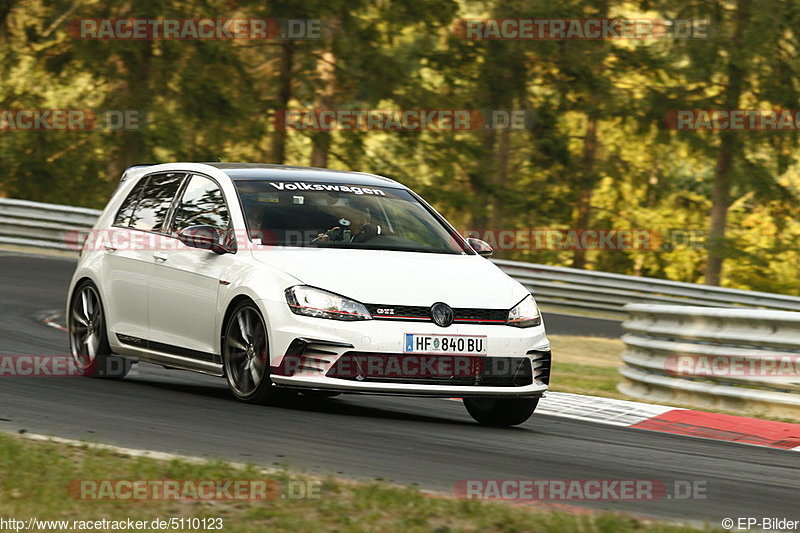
204	237
482	247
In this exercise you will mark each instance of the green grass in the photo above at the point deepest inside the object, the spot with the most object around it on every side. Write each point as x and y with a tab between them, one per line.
586	365
34	477
586	379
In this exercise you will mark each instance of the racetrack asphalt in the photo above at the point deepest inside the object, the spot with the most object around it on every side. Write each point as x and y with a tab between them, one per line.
429	443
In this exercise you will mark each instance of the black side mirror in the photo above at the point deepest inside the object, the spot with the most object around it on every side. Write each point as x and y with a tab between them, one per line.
204	237
482	247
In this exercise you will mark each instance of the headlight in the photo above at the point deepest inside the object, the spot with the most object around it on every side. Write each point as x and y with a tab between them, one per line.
309	301
525	314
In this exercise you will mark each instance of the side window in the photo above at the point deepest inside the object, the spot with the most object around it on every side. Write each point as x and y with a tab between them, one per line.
151	211
123	217
202	203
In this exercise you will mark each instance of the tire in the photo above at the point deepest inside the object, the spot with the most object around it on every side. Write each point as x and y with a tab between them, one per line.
88	337
501	412
245	355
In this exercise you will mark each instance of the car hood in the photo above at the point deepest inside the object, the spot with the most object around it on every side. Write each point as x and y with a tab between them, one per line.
399	278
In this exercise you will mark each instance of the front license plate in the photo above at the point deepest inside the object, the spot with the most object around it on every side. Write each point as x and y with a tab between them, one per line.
444	344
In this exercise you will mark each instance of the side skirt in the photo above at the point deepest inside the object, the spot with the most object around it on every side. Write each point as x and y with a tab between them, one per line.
170	356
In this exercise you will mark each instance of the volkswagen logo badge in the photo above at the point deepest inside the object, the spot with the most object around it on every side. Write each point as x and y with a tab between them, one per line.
442	314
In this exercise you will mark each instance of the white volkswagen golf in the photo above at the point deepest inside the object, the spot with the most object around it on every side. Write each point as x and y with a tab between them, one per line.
305	279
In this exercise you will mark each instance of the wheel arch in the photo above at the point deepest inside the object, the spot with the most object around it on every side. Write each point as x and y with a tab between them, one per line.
77	283
232	304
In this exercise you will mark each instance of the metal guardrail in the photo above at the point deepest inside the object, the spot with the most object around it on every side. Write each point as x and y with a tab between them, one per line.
608	292
61	227
39	225
725	358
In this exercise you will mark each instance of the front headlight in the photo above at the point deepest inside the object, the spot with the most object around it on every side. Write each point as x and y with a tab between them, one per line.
525	314
308	301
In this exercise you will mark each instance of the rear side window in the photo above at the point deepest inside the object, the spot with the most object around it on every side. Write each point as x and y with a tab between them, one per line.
202	204
151	211
123	217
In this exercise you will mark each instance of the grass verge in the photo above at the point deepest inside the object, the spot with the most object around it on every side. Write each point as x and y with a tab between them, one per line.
34	477
586	365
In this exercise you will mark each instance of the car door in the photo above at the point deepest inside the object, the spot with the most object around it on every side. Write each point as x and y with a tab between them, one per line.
185	281
128	255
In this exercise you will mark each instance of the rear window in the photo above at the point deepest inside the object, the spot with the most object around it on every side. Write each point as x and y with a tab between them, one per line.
123	217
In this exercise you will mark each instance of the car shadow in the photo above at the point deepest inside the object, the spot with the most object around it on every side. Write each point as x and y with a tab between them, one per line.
290	400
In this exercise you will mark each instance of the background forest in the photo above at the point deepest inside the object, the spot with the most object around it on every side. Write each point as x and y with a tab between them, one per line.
596	155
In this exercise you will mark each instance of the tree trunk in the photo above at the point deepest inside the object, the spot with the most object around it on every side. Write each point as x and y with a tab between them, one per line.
278	147
480	180
326	73
729	149
497	214
720	198
133	90
583	211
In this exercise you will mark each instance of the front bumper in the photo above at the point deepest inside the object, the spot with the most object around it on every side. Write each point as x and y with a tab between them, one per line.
313	346
536	389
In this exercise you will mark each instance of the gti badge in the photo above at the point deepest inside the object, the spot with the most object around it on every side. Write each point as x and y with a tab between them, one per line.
442	314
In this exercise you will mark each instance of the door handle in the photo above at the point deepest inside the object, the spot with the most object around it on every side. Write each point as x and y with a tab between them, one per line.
110	248
159	256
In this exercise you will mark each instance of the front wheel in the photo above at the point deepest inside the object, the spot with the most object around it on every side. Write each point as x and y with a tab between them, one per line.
88	340
501	412
245	355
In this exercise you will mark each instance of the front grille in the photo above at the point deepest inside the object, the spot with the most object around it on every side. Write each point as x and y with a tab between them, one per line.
419	313
433	369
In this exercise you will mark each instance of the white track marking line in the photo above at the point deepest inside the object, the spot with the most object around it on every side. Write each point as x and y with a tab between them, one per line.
136	452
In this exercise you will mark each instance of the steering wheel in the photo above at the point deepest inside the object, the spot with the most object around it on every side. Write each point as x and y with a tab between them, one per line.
367	232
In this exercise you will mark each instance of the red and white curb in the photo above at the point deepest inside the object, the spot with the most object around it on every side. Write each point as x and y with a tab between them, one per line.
677	421
53	319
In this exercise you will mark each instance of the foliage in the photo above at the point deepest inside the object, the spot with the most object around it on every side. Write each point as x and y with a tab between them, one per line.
596	155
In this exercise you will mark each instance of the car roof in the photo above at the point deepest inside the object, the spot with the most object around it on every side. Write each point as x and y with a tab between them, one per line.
267	172
260	171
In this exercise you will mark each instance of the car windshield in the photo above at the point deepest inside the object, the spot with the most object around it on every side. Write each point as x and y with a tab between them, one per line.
334	215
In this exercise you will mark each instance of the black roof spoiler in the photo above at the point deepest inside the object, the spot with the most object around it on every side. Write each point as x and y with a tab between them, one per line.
134	167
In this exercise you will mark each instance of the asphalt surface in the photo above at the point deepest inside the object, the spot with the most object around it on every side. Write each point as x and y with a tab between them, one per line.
559	324
429	443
